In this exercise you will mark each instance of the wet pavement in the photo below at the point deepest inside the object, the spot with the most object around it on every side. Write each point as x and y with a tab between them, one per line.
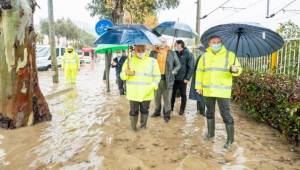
90	130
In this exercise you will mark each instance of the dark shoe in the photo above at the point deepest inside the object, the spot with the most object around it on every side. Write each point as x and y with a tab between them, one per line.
230	136
144	118
167	119
156	113
181	112
167	116
210	128
200	113
133	120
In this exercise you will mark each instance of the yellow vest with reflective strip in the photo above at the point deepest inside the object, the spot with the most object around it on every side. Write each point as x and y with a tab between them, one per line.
213	73
70	60
142	85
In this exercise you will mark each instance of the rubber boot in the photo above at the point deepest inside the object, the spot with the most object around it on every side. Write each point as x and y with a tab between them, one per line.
133	120
230	135
210	128
144	118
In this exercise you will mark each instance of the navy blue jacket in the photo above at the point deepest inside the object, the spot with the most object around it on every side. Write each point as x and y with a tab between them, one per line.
186	59
119	65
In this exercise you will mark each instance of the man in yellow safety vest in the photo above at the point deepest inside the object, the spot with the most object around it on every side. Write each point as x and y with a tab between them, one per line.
142	76
71	65
215	72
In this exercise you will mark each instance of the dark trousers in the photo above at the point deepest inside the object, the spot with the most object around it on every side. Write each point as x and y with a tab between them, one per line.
181	86
136	107
201	107
224	106
121	85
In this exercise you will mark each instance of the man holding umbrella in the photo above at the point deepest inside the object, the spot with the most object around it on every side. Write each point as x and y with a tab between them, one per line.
142	76
117	63
215	72
169	65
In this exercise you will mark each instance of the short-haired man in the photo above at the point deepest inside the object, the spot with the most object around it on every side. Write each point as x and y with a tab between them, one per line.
184	75
215	72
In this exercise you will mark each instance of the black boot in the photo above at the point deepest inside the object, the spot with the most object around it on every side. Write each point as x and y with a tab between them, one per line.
182	108
230	135
144	118
156	113
210	128
133	120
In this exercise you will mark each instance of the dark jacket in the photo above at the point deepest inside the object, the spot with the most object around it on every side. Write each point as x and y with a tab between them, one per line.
193	93
186	59
119	65
172	66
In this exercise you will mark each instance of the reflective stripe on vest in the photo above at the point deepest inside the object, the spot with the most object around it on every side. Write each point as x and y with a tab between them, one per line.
217	87
71	60
225	69
151	75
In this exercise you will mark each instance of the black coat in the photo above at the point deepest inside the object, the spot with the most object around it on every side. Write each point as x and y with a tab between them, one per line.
119	65
186	70
193	93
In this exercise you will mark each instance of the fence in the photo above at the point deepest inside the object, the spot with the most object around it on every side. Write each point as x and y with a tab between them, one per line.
285	61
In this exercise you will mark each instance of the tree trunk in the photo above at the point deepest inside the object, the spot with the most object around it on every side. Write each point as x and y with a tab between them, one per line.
52	42
21	100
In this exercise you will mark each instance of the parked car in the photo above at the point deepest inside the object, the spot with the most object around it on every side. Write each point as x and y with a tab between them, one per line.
87	55
43	57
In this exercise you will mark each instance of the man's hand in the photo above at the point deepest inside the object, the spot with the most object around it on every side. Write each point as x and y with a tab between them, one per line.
200	92
129	72
234	69
174	72
113	63
186	81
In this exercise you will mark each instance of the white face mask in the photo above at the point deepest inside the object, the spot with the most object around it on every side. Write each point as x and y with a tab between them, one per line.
140	55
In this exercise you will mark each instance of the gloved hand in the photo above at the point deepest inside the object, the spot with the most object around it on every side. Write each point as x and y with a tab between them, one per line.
234	69
129	72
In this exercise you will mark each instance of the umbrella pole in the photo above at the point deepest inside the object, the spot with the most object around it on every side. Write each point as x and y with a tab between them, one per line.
174	39
107	68
237	47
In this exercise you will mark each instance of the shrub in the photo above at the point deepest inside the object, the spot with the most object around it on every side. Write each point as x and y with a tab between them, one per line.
274	100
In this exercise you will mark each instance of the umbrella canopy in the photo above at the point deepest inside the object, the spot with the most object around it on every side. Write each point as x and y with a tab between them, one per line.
175	29
246	40
128	35
109	48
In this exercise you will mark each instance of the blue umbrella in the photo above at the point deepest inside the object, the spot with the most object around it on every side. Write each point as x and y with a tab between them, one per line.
129	35
175	29
246	40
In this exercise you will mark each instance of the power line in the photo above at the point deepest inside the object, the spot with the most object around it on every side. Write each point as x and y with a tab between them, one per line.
247	7
205	16
282	9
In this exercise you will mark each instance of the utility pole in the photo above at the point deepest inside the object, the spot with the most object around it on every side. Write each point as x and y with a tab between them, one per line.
268	8
52	42
198	21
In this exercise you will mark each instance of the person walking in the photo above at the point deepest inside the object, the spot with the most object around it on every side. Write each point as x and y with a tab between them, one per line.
214	76
183	76
169	65
117	63
70	65
193	92
142	75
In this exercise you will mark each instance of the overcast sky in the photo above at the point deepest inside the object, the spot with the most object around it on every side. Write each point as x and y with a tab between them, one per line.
186	12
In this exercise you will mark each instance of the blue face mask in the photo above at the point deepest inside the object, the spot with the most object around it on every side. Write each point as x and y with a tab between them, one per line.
216	47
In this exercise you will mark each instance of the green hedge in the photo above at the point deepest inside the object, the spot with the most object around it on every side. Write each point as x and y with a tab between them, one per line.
274	100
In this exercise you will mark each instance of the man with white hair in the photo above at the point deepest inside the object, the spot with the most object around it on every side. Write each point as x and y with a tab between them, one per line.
169	65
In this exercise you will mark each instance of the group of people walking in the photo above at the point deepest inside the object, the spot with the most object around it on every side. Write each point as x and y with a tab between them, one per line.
165	74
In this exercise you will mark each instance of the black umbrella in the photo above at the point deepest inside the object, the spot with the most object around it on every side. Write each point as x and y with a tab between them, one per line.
246	40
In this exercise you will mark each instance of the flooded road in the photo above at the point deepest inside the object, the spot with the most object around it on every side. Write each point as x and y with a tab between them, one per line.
90	130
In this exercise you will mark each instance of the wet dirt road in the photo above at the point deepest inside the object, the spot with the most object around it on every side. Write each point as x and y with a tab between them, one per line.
90	130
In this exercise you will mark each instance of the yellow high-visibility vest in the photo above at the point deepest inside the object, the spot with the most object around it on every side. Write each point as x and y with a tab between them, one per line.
142	85
213	73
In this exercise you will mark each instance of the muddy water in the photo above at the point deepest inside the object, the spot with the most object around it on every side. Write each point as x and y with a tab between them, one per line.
90	130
